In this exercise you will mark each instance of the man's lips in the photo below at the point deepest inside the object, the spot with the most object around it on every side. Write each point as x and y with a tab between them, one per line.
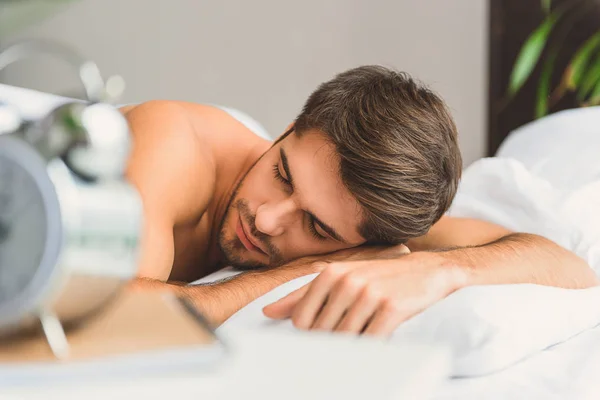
249	242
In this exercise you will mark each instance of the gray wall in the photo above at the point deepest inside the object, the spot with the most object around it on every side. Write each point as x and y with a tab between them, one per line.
265	56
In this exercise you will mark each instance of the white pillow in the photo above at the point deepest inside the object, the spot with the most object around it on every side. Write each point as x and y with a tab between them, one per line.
562	148
491	327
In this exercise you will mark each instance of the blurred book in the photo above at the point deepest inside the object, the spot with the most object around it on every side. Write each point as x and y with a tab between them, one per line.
140	333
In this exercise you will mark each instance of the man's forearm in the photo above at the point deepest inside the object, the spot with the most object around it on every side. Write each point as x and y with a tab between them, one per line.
523	258
219	301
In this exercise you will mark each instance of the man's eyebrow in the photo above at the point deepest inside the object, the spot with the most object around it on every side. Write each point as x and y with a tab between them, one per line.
286	167
330	231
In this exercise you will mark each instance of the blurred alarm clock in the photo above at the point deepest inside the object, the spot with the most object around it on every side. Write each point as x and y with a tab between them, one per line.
69	222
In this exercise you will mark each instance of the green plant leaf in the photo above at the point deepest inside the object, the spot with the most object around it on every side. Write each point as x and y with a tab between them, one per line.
546	4
578	64
589	80
543	91
595	96
530	54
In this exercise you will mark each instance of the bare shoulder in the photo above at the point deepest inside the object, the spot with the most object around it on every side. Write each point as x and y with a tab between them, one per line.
177	150
174	175
167	155
215	130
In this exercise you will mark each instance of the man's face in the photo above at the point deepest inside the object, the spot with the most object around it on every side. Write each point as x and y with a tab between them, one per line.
292	203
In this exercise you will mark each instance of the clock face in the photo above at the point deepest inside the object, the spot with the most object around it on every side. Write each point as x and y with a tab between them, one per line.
22	228
30	230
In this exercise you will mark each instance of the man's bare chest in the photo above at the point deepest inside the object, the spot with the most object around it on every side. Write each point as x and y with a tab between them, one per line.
192	251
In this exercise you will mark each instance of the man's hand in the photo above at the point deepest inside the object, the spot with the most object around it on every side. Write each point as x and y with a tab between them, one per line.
372	296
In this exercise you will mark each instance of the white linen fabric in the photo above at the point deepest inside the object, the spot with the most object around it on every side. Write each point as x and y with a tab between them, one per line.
562	148
492	327
551	186
516	341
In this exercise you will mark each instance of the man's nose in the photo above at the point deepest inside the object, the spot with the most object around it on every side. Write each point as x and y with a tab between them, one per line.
273	218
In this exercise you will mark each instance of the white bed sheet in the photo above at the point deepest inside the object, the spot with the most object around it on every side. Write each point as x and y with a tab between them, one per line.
489	325
567	370
567	213
505	192
563	149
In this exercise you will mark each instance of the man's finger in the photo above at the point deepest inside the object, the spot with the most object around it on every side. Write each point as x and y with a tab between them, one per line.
284	307
386	320
341	298
360	313
307	309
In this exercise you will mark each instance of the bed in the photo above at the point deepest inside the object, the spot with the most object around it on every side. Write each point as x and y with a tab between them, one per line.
516	341
509	341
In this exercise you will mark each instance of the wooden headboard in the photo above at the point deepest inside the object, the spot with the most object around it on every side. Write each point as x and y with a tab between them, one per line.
511	22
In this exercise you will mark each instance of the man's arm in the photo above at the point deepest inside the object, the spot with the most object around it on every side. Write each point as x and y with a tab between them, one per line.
219	301
494	255
457	232
522	258
374	297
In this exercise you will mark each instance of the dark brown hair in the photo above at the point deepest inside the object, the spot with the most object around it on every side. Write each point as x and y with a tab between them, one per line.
398	149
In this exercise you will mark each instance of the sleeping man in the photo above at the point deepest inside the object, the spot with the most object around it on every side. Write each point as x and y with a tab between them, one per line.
356	189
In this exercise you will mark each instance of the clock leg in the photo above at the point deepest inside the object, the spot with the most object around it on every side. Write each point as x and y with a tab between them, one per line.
55	334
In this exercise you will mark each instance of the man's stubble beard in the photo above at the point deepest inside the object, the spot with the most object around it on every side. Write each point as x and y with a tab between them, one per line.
230	248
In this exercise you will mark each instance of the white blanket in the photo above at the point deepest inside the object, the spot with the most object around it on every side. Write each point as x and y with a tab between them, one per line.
503	191
491	328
